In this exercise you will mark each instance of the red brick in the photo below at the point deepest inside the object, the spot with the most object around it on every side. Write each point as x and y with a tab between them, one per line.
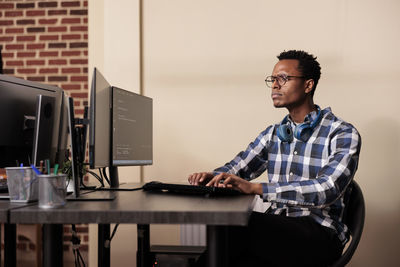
26	71
71	86
85	20
13	13
57	45
32	13
9	71
48	37
85	36
6	38
49	54
70	20
26	5
14	30
5	5
48	4
85	86
71	70
14	46
71	36
85	70
8	55
35	62
84	247
57	78
85	3
36	78
36	29
56	12
26	38
85	52
57	62
79	79
78	12
70	53
78	45
35	46
48	70
26	54
14	63
78	28
48	21
78	61
79	95
25	21
57	29
71	4
6	22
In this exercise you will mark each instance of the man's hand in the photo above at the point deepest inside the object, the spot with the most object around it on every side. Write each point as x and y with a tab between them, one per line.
235	182
200	178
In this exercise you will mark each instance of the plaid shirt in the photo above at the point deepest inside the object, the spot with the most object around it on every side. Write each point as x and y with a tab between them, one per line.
304	178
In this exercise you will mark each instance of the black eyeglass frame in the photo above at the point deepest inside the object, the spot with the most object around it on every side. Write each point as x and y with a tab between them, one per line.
284	78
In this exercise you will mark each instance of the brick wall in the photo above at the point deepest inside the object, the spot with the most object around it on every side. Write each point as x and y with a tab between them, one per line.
47	42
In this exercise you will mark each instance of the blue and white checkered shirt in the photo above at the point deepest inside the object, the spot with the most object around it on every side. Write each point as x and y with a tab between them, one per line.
304	178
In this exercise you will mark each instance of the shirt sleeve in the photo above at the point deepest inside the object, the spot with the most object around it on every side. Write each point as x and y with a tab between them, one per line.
252	162
332	178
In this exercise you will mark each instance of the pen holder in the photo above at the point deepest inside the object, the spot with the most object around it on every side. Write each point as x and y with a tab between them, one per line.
22	184
52	190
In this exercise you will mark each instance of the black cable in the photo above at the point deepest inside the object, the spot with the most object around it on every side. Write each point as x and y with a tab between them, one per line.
107	243
75	248
105	176
96	176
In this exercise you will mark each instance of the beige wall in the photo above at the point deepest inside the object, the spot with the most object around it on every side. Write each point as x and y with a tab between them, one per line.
204	64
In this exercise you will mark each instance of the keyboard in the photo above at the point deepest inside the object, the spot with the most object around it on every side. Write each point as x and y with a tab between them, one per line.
190	189
3	186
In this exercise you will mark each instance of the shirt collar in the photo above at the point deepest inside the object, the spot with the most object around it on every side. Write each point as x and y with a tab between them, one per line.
311	116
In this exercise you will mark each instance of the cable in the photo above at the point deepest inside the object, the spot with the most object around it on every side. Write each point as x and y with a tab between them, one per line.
75	248
105	176
107	243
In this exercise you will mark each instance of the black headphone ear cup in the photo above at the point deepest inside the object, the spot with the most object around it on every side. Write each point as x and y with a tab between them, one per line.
285	133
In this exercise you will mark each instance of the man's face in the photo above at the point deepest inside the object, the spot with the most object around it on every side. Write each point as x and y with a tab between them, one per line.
293	93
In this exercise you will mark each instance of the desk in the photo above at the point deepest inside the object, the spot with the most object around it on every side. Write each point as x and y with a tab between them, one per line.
144	208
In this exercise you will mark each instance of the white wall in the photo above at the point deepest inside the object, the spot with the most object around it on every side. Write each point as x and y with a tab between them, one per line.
204	64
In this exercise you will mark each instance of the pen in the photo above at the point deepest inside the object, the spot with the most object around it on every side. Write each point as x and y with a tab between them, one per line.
41	166
55	169
47	164
35	170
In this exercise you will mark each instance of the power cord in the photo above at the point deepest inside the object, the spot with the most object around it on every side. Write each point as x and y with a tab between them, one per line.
76	242
107	243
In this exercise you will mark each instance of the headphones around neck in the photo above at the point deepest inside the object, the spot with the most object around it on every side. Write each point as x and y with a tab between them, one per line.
302	131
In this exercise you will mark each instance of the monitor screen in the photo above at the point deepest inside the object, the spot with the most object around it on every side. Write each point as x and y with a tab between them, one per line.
18	109
99	125
132	122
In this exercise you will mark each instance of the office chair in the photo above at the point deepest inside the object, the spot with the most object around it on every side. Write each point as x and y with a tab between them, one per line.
354	216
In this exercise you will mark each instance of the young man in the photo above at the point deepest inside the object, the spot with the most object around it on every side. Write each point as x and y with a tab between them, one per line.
310	159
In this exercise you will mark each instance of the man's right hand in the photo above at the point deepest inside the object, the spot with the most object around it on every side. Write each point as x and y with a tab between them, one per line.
200	178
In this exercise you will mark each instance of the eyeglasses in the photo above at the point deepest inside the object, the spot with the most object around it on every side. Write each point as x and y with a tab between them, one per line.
281	79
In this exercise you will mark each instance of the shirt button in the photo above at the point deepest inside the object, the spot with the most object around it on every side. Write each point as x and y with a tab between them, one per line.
295	152
291	173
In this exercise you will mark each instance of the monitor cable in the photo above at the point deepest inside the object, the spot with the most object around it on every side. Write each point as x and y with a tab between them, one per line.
76	242
107	243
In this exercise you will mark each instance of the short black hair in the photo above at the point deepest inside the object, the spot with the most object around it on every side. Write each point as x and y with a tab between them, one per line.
308	64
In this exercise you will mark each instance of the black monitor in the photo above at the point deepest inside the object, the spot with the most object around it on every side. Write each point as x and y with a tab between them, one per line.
21	102
126	128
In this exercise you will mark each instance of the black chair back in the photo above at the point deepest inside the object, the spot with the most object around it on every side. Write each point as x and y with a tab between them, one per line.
354	218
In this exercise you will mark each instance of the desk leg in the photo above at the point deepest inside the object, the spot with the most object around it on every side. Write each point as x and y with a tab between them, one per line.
217	247
103	254
52	245
10	245
143	258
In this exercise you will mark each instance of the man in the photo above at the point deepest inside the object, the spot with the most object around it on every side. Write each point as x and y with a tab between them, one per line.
310	159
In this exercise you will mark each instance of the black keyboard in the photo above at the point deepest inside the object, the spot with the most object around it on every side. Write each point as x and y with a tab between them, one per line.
190	189
3	186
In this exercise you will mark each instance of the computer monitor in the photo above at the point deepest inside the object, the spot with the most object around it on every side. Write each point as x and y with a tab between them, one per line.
126	128
19	106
